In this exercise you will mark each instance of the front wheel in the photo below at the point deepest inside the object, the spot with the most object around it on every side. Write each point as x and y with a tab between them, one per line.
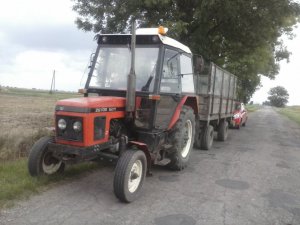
130	175
41	160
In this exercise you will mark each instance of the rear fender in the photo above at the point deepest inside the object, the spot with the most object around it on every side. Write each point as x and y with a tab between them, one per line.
190	101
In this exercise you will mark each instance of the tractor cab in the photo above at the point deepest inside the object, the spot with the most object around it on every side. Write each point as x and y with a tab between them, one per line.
163	74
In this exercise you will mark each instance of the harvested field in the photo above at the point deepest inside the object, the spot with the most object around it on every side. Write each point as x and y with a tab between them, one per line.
25	116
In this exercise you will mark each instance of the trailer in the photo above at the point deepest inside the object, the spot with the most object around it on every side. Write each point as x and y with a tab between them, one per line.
216	91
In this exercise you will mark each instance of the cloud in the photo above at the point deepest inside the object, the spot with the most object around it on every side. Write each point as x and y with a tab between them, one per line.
52	37
34	69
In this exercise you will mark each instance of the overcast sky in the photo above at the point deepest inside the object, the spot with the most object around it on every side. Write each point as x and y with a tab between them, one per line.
39	36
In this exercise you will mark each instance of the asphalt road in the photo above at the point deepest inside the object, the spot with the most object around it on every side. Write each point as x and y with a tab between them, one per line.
253	178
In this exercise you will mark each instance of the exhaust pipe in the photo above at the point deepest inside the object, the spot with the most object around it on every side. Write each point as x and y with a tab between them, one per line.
131	80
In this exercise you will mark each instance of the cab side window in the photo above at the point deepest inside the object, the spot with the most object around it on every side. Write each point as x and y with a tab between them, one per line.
170	73
187	77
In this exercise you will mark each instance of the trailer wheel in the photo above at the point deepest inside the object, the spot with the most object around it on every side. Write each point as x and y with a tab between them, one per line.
207	138
223	131
41	160
130	175
182	138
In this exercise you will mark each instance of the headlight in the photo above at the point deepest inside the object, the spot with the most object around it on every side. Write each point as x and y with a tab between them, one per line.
77	126
236	116
62	124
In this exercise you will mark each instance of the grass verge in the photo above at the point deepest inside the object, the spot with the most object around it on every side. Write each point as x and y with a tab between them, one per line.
252	108
292	112
17	184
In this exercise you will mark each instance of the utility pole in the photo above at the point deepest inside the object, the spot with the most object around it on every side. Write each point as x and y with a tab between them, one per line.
52	89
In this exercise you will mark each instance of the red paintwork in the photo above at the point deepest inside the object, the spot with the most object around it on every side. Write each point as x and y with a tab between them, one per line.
88	118
186	100
94	102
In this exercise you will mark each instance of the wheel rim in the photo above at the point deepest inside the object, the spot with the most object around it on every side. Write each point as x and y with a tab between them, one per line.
50	164
187	138
135	176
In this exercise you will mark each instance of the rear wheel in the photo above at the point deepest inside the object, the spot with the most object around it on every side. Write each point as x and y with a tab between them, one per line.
207	138
223	130
130	175
41	160
182	138
198	136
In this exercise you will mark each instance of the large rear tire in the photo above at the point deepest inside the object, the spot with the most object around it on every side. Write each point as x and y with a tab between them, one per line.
130	175
223	130
207	138
182	138
198	136
41	160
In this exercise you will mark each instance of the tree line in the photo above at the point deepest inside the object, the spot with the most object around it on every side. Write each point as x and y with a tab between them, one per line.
243	36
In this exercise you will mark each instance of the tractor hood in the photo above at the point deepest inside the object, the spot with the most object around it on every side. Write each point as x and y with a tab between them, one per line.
91	104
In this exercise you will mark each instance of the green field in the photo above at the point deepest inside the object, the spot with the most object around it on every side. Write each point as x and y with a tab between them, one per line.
253	108
292	112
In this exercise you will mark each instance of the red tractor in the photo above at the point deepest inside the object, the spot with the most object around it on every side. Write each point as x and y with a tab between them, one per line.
139	108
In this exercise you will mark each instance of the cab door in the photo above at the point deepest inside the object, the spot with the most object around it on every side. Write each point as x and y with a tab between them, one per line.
170	89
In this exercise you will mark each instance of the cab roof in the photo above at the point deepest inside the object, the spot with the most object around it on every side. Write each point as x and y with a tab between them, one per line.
164	39
144	35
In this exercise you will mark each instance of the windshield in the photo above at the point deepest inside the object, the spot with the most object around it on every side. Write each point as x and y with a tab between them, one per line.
113	66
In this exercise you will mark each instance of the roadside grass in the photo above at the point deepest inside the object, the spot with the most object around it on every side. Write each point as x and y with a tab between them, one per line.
253	108
292	112
17	184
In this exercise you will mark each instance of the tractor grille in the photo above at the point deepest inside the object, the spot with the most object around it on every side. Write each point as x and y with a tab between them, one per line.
99	127
69	133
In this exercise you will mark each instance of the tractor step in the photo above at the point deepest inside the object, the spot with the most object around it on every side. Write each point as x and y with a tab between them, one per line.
163	162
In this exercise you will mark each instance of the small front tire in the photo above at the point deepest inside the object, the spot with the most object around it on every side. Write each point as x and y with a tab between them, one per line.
41	160
130	175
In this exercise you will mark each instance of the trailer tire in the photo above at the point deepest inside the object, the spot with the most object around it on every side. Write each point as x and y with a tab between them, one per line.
130	175
41	161
207	138
182	138
223	130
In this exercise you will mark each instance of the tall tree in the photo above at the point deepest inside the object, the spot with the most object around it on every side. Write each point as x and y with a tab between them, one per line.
278	96
243	36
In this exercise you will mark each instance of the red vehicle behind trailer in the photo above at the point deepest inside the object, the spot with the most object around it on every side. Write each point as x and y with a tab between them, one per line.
240	116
